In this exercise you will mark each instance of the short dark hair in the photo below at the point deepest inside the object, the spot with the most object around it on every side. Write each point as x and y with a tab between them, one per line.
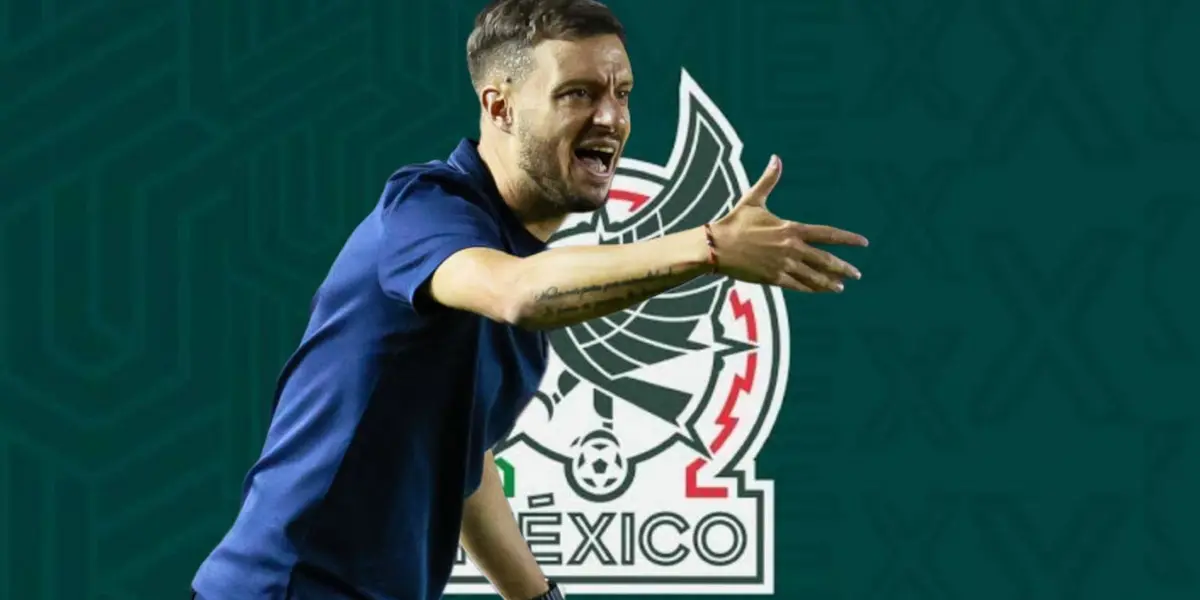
506	29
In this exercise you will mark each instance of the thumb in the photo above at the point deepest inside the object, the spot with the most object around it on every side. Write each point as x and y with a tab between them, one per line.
757	195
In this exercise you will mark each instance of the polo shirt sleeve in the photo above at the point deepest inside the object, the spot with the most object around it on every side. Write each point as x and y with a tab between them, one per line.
423	225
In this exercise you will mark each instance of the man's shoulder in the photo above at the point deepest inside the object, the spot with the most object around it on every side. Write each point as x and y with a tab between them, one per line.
432	178
440	193
432	170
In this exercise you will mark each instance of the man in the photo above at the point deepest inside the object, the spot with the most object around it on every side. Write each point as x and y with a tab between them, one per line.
426	339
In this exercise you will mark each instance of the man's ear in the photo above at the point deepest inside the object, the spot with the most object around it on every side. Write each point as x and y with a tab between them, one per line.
496	102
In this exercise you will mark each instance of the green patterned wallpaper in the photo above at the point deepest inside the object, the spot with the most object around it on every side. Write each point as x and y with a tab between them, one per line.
1001	409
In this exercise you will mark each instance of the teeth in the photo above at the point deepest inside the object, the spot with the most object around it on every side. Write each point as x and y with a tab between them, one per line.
602	163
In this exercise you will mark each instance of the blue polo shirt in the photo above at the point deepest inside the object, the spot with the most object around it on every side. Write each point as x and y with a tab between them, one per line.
383	414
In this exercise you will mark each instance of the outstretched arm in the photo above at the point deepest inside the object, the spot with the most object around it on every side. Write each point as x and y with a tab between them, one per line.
492	539
564	286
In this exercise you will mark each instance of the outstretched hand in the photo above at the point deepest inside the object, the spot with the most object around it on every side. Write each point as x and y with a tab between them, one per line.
755	246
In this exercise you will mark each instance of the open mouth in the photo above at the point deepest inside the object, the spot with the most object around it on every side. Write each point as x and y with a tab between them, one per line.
598	160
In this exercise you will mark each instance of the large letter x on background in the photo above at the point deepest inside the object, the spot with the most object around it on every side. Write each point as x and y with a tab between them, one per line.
914	371
1039	564
1049	77
913	206
910	57
1048	340
912	542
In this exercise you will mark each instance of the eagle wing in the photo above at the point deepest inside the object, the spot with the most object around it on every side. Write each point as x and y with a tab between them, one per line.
607	351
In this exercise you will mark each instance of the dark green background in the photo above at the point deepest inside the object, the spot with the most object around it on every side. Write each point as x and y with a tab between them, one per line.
1004	407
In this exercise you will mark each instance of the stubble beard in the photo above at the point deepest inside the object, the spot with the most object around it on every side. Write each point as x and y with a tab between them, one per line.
538	159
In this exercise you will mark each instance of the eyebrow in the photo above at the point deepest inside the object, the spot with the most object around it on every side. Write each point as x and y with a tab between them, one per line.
589	82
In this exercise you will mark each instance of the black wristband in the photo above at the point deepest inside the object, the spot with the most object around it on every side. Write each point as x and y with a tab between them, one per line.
553	594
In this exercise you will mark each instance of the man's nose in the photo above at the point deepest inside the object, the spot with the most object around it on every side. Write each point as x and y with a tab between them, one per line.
609	114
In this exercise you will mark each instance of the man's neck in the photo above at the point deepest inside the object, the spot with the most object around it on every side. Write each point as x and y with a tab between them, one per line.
529	210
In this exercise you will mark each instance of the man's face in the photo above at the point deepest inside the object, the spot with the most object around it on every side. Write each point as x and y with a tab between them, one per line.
572	119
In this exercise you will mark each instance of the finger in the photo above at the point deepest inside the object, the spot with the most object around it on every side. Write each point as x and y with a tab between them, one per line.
789	282
814	279
757	195
829	263
824	234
